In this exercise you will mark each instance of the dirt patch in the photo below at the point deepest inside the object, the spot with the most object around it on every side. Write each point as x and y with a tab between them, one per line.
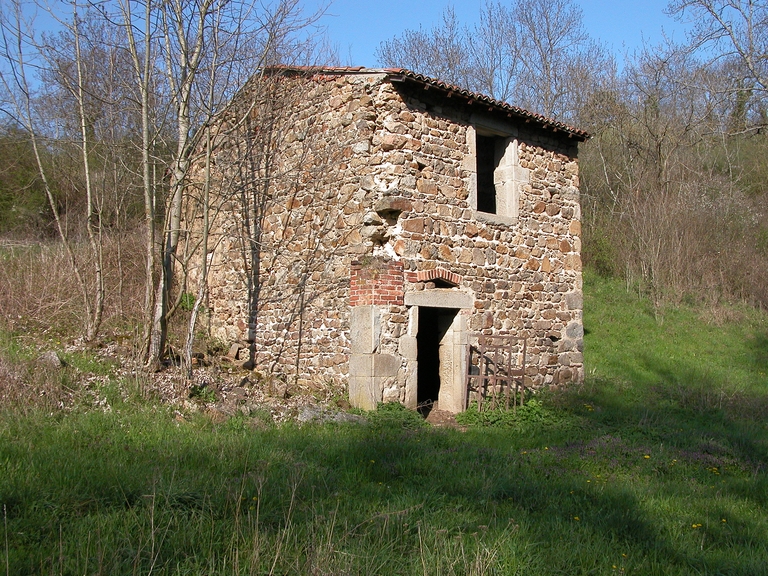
442	418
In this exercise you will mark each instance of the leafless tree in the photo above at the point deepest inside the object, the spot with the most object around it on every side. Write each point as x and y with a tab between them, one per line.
663	179
232	56
496	58
535	54
173	67
24	51
442	52
277	175
730	30
197	54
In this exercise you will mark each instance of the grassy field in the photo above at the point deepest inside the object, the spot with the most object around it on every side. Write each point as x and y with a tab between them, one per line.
657	465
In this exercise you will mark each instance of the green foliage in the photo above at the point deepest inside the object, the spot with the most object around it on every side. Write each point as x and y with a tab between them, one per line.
18	349
743	157
534	413
187	302
629	342
11	347
761	241
215	346
599	251
654	466
393	415
87	362
646	159
203	393
30	382
23	205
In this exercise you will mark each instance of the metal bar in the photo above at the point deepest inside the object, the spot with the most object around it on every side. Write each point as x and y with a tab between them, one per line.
481	368
468	375
522	378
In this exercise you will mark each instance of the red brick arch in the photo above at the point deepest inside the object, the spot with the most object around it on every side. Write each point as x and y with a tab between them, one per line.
438	274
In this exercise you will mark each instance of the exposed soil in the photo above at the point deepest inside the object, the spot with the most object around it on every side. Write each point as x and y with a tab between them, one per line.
442	418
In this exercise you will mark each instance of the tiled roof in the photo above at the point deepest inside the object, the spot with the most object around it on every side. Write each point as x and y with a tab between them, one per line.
402	75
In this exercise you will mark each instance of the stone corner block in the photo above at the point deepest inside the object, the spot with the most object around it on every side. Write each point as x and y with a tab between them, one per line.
365	329
386	365
408	347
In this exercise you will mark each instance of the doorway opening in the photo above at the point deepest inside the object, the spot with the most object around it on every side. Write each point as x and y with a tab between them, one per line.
435	357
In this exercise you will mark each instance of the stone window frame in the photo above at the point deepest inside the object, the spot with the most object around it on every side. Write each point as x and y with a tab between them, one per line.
508	176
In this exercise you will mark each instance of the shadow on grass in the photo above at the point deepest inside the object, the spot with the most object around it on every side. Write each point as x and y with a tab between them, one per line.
618	483
593	495
664	477
758	349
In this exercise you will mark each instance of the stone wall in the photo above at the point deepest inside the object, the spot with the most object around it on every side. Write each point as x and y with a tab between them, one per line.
381	174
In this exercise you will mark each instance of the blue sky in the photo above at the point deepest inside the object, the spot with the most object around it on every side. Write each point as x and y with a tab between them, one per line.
357	27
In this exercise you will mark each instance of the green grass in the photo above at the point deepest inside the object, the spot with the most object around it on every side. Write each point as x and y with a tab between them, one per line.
657	465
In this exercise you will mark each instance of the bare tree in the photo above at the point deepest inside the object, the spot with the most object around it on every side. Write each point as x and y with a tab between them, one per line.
496	57
23	50
93	215
663	179
276	177
188	59
141	37
232	56
730	29
442	52
535	54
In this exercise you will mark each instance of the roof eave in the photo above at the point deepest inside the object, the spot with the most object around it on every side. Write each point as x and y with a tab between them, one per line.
492	106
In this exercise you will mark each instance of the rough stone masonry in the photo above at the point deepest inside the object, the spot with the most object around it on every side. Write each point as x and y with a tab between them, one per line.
391	220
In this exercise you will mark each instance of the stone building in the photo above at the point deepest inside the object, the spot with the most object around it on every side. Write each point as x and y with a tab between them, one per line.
404	217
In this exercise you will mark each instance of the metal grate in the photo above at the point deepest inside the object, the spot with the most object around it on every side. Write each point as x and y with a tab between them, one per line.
496	371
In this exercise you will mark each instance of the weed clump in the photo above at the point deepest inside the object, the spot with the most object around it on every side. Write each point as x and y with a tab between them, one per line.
393	415
533	413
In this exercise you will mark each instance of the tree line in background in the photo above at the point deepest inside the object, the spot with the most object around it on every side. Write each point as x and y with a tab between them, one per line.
108	144
107	126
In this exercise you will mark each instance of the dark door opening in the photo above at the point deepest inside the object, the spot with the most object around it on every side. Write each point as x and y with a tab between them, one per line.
434	323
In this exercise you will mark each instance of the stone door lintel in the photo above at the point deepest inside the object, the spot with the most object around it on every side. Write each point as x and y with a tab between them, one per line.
441	298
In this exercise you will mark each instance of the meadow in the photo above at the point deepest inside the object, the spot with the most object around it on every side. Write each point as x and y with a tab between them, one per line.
656	465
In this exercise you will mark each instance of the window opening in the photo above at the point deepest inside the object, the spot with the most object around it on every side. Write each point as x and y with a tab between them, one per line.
498	176
487	162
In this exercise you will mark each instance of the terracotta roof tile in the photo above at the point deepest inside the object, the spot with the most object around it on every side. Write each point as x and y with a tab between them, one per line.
408	76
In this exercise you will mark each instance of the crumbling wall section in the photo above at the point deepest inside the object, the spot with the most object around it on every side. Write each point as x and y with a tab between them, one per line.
301	229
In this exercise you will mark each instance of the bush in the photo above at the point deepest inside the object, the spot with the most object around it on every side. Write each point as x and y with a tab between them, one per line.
532	413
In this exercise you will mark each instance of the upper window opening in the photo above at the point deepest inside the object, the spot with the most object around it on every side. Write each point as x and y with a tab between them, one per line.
498	176
487	161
